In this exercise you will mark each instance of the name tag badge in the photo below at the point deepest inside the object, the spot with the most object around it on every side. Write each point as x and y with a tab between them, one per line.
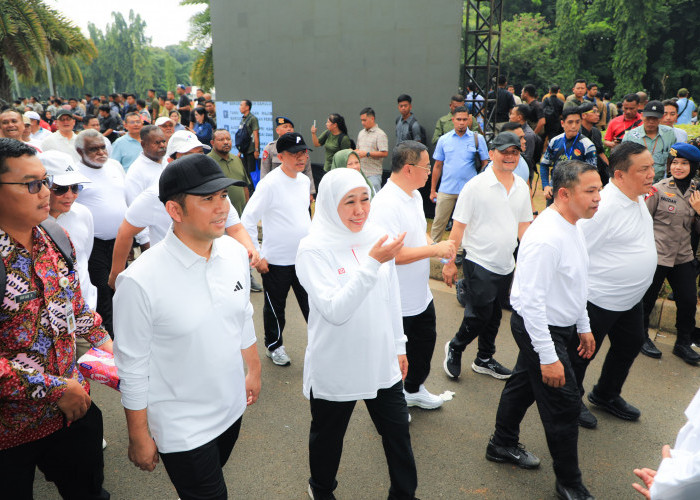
26	297
70	318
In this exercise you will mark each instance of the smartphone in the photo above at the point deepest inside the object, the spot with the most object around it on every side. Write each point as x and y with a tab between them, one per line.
314	123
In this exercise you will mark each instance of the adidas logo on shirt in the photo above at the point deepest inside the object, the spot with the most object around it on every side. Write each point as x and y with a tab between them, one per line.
238	286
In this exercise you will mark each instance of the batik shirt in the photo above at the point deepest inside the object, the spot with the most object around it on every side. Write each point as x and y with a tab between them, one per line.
37	350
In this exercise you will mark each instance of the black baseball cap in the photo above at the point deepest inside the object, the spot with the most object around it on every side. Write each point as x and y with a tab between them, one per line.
291	142
63	112
193	174
654	109
505	140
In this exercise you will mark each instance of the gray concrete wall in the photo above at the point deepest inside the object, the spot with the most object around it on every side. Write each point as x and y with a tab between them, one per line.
316	57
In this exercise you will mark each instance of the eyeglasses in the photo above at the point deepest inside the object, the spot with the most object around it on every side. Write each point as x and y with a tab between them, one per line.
426	168
61	190
34	186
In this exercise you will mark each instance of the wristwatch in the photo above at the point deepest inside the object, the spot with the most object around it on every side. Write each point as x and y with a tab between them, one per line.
367	155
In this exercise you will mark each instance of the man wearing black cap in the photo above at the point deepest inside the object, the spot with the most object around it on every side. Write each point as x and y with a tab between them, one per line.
657	138
281	202
64	138
185	335
270	160
495	207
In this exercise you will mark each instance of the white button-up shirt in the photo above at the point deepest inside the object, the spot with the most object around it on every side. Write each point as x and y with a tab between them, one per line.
180	324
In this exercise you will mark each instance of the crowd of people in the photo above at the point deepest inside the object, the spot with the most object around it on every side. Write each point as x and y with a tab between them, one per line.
146	190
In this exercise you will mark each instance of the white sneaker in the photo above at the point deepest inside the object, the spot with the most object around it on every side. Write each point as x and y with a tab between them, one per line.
279	356
409	418
423	399
104	444
311	493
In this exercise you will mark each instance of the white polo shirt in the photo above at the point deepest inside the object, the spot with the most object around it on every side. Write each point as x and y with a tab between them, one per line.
550	281
80	227
104	196
396	212
141	174
492	215
282	203
149	212
621	248
180	323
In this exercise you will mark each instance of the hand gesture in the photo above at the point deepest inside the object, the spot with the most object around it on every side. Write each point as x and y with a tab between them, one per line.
403	366
384	253
449	273
252	388
548	192
313	129
445	249
695	201
75	401
143	453
253	256
553	374
262	266
586	347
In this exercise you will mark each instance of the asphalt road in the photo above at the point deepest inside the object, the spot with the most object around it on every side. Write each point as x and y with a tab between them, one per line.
270	460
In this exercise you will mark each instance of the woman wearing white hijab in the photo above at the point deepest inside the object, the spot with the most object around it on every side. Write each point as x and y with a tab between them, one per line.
356	348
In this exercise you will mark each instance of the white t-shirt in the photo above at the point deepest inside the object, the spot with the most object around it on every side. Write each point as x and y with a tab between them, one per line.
621	249
104	197
355	326
59	143
149	212
180	323
282	203
79	225
141	174
492	215
551	281
40	135
396	212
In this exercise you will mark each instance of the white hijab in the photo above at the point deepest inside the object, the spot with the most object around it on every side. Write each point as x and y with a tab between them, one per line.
327	231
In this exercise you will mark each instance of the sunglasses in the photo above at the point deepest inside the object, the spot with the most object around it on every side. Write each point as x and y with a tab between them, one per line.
61	190
34	186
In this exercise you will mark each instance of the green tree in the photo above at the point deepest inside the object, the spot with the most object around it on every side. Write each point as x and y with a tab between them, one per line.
31	32
200	35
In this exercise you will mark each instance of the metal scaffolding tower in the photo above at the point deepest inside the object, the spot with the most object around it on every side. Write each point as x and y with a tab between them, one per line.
482	53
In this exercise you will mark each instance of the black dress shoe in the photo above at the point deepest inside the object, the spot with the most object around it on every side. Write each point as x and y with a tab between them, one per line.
514	454
578	492
616	406
649	349
586	419
686	353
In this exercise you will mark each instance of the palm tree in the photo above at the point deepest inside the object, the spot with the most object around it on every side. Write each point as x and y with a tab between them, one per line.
200	35
31	33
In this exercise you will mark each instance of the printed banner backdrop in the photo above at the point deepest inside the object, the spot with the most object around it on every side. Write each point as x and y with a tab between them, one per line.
229	117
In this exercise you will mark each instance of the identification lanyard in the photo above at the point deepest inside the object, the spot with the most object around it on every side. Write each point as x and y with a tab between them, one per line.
656	140
570	152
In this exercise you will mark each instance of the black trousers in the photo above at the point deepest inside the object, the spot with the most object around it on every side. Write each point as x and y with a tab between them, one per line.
682	281
625	329
276	285
483	309
249	162
329	421
558	407
196	474
421	334
71	458
99	266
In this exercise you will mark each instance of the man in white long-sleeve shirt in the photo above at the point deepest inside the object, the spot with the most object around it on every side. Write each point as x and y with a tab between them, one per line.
185	334
281	201
622	252
549	307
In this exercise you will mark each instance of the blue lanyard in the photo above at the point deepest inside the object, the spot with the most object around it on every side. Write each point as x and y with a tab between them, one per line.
569	153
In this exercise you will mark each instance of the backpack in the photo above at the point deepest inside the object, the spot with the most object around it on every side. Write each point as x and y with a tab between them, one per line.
552	107
242	137
340	141
423	139
60	239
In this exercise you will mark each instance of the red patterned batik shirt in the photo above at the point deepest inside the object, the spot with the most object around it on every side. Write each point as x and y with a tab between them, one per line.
37	348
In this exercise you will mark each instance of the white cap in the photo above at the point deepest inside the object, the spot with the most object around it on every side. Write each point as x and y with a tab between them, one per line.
32	115
163	119
63	168
183	141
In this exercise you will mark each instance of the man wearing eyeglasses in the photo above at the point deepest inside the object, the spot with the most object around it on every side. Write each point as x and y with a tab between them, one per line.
492	213
105	197
45	409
